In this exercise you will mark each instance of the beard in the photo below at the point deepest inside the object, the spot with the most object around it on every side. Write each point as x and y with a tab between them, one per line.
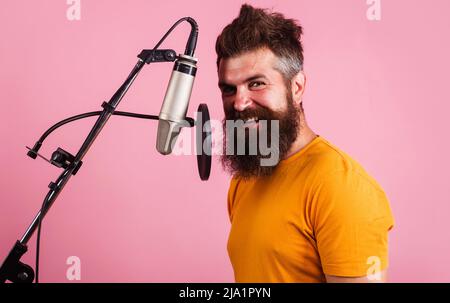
248	164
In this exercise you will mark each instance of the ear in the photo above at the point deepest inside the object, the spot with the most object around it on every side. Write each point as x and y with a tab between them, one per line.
298	87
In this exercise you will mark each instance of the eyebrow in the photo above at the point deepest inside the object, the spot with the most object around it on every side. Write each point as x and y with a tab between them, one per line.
254	77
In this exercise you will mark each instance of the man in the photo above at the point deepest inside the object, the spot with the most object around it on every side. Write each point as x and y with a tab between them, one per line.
315	215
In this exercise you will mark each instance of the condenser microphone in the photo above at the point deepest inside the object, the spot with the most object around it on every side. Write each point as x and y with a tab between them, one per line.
173	111
172	116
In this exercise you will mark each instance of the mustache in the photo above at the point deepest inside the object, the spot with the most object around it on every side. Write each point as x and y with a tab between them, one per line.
259	112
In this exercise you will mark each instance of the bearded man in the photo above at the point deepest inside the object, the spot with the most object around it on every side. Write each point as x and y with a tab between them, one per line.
314	214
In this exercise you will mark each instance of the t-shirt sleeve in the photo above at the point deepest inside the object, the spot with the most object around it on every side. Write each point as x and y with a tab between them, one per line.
231	197
351	221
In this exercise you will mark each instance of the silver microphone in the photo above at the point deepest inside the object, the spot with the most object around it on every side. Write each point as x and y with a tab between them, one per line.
173	111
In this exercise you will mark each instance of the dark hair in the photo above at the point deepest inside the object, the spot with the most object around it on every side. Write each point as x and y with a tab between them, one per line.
256	28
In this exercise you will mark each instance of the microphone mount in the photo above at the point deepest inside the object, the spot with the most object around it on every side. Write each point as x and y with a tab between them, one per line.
12	269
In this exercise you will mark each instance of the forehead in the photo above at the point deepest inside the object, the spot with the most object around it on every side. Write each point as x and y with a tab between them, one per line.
258	62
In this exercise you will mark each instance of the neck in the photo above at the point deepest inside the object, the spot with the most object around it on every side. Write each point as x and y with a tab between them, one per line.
305	136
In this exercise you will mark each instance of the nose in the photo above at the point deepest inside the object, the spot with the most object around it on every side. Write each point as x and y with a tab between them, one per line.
242	99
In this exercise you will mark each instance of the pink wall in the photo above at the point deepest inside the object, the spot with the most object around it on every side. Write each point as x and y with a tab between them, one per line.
377	89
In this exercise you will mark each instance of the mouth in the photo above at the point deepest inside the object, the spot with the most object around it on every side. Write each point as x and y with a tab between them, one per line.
251	122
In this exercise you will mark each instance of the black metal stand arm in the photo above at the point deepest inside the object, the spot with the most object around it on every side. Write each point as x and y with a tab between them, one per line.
56	156
14	270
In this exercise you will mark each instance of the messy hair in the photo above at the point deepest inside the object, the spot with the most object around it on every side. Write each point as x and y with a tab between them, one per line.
257	28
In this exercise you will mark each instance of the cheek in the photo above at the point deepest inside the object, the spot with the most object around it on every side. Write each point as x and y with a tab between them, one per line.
227	103
269	99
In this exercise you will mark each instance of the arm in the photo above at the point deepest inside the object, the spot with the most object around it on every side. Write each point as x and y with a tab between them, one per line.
364	279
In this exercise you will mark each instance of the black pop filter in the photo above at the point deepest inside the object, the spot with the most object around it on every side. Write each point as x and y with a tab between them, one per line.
203	141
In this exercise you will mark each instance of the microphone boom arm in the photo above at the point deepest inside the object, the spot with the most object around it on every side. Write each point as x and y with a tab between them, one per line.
33	152
14	270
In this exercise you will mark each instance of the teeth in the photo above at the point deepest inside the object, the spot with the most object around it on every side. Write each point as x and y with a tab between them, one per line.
251	120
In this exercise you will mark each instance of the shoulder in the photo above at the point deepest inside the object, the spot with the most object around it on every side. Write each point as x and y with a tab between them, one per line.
329	165
341	186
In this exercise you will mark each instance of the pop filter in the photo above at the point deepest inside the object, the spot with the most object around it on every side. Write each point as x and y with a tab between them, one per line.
203	141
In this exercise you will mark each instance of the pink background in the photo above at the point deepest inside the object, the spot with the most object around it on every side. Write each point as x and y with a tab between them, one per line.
376	89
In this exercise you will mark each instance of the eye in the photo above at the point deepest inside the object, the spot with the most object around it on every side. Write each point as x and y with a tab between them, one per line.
256	84
228	90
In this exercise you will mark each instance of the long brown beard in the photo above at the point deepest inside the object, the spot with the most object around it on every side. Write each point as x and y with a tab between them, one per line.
249	165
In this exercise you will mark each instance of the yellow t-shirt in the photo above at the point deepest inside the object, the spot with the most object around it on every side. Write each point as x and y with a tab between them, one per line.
319	213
